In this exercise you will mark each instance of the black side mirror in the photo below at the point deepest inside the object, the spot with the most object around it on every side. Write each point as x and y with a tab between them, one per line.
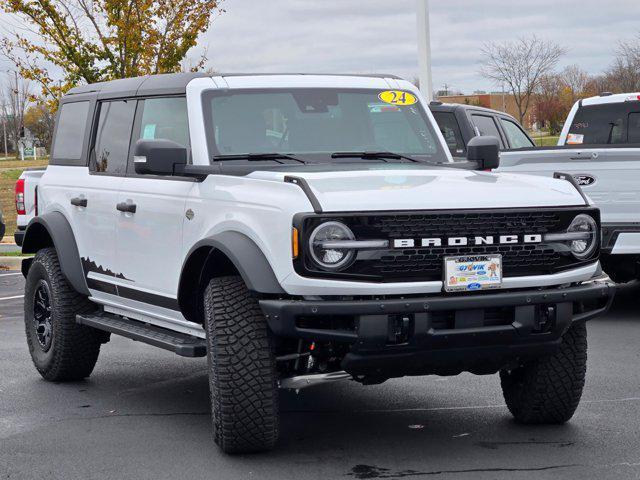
158	157
485	151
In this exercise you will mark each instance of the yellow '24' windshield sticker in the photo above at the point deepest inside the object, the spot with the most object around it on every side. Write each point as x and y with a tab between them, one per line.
397	97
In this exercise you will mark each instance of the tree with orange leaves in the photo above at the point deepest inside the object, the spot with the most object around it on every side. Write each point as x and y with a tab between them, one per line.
98	40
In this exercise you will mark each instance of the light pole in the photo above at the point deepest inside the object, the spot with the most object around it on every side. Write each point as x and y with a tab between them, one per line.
4	134
3	113
424	49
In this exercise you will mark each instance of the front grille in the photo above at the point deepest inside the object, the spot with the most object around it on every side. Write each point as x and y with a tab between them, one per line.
426	263
460	224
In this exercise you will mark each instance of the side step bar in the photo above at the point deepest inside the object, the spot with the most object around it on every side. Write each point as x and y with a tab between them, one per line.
180	343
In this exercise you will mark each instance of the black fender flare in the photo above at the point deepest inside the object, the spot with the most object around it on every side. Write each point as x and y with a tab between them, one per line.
247	258
53	227
223	254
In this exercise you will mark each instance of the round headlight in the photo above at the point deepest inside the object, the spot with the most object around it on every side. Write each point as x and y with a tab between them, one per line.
583	245
325	255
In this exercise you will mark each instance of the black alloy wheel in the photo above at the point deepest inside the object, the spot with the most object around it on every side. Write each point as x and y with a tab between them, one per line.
42	315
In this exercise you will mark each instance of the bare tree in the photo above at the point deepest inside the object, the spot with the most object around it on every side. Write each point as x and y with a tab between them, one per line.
624	73
519	65
14	104
576	80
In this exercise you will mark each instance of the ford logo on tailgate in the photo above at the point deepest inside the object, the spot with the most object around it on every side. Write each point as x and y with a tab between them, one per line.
584	180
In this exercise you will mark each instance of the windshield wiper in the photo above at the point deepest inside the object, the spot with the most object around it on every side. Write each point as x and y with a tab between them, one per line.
374	156
258	156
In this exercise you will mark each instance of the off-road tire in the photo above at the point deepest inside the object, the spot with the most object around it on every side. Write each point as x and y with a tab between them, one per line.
548	390
73	349
242	373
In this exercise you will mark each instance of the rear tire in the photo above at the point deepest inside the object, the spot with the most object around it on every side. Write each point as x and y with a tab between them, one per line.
61	349
242	368
548	390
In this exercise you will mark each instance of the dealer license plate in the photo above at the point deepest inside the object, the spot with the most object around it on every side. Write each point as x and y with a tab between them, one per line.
472	272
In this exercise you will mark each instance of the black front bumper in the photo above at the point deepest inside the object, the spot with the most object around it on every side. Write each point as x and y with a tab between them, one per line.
443	334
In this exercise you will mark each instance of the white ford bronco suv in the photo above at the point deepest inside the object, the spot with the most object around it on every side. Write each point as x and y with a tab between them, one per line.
299	229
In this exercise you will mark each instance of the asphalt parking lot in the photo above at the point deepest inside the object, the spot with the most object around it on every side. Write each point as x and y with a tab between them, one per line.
144	414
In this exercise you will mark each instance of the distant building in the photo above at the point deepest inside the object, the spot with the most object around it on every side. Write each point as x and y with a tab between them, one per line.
495	100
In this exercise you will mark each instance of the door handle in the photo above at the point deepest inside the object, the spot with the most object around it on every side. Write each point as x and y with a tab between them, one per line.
126	207
79	202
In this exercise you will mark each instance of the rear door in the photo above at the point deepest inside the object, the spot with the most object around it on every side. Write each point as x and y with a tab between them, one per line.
96	195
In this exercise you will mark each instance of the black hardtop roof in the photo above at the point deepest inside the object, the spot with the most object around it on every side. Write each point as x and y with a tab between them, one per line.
172	83
169	83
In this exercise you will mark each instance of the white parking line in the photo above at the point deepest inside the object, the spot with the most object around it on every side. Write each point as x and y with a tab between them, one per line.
8	274
11	298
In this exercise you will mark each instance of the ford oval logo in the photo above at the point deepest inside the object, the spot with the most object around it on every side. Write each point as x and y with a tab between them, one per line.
474	286
584	180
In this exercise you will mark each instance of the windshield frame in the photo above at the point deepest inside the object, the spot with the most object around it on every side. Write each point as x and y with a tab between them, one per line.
439	156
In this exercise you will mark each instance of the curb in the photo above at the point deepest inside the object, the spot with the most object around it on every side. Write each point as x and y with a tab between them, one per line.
12	263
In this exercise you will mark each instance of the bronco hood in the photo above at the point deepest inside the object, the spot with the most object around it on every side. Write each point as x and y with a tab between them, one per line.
429	189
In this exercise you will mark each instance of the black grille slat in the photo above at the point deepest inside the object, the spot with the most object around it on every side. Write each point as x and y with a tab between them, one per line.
514	258
460	224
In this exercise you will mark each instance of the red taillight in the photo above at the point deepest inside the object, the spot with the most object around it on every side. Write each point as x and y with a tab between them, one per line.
20	208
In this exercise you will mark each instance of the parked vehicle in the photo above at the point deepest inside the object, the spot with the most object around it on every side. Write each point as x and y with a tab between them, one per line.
26	200
301	229
460	123
600	146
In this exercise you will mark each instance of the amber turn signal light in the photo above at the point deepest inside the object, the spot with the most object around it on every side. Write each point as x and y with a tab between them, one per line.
294	242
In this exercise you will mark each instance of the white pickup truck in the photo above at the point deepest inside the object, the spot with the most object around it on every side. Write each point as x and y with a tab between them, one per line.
26	200
600	147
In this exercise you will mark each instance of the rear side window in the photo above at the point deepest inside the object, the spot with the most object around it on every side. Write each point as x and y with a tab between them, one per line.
608	124
112	137
451	132
487	126
70	132
516	137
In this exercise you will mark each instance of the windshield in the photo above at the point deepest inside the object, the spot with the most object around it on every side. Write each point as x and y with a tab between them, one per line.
318	122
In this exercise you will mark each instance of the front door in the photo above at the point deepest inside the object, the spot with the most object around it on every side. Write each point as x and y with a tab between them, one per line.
149	243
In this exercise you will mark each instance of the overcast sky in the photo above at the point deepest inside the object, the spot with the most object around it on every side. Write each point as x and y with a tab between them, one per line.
380	35
363	36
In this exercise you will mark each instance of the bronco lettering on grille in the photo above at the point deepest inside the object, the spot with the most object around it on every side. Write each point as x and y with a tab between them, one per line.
462	241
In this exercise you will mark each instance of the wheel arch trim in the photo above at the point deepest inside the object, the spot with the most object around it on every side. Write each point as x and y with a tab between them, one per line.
242	253
53	229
